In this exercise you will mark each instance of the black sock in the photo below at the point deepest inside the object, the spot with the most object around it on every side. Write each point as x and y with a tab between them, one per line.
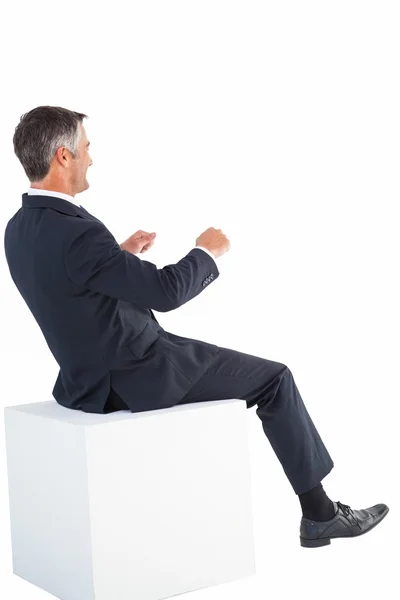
316	505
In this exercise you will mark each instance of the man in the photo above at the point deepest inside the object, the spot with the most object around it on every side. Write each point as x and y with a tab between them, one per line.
93	300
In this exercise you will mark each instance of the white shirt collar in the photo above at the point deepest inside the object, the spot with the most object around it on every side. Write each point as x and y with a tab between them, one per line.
50	193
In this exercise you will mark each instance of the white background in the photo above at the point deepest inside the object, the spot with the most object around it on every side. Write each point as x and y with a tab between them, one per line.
277	122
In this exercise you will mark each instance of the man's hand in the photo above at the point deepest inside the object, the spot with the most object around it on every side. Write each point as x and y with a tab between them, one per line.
214	240
140	241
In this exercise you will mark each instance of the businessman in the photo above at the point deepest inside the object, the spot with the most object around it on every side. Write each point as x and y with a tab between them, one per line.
93	298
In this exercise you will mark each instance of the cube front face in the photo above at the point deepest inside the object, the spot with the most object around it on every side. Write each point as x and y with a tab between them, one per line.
164	500
170	501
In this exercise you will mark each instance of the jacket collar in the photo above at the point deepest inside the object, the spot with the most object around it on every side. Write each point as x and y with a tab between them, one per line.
59	204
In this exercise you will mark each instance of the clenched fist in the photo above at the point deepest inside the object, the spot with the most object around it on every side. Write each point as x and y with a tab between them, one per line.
140	241
214	240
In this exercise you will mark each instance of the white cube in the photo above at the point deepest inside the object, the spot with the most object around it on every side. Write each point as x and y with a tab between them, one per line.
129	506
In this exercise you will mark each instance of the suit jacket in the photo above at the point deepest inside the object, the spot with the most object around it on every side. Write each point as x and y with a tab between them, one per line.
93	302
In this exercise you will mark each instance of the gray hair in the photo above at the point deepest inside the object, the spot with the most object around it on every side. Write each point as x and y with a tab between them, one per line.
40	133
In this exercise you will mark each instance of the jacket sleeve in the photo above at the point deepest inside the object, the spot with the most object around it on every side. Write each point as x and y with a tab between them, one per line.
94	260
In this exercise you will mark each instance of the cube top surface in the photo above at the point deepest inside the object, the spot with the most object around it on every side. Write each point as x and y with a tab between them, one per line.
52	410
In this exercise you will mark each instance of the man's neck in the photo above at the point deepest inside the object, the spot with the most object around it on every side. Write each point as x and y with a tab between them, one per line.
46	192
52	187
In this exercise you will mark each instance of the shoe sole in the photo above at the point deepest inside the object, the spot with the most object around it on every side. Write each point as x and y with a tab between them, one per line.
307	543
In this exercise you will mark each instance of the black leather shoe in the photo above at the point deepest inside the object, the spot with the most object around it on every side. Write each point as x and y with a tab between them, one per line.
346	523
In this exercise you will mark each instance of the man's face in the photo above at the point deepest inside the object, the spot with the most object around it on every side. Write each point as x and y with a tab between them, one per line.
81	164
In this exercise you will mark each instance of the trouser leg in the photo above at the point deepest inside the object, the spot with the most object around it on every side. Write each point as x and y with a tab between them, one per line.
285	420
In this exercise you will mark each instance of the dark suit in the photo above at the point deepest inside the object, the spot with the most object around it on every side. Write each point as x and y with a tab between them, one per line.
93	303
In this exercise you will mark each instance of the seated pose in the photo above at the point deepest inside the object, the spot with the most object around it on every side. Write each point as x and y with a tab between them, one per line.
93	298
